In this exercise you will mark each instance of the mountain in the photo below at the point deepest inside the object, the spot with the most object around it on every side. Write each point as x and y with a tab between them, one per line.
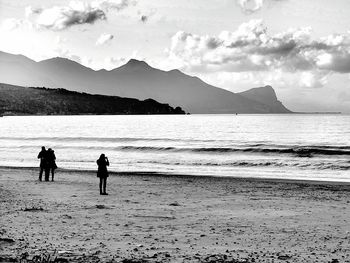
135	79
16	100
267	96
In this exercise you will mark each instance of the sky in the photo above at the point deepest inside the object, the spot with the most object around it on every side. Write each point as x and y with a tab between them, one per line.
301	48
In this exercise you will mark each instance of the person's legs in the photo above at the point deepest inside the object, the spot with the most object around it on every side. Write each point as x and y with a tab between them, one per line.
101	179
104	185
41	173
52	173
47	174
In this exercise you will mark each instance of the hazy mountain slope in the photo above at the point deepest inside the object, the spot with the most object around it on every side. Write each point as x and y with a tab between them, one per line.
135	79
266	95
20	100
55	73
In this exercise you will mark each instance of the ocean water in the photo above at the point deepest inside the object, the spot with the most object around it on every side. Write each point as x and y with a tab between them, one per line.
309	147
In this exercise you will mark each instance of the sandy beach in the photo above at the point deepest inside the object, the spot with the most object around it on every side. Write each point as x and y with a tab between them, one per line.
154	218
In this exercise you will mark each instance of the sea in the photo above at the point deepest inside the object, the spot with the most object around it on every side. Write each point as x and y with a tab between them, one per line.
286	146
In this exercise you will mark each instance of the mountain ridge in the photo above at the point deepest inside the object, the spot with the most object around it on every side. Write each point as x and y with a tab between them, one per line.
135	79
18	100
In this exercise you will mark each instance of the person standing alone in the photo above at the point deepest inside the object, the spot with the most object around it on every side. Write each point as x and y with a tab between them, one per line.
43	162
102	173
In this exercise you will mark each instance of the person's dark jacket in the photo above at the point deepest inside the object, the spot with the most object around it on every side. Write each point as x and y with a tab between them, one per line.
51	159
42	156
102	171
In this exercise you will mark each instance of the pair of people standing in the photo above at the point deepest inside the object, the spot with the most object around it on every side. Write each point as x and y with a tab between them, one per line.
47	163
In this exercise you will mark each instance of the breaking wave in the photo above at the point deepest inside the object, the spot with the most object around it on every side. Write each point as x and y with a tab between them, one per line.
302	151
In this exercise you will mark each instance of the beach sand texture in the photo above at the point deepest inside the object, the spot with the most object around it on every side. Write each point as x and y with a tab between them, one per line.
153	218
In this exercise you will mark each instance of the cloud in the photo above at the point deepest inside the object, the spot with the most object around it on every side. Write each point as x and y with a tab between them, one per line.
252	6
11	24
251	48
103	39
75	13
310	79
66	53
29	11
113	4
113	62
20	37
58	18
61	17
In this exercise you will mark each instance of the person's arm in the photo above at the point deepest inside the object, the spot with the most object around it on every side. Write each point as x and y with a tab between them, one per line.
107	161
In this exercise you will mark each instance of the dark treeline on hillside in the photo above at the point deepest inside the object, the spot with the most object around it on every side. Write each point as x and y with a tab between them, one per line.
17	100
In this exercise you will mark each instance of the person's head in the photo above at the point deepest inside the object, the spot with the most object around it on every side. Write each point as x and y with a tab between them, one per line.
43	148
50	150
102	156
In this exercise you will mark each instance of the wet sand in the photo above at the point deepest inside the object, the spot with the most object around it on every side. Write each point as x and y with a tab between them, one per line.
154	218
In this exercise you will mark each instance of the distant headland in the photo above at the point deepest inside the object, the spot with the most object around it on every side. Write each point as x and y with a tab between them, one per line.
17	100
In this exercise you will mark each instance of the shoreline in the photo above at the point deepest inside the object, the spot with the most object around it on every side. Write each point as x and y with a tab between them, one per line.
177	175
148	218
172	114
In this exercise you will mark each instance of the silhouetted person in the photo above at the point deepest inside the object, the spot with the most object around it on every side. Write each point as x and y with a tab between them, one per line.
51	164
102	173
43	164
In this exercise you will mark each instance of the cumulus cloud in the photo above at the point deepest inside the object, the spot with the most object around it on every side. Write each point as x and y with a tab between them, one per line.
75	13
62	17
251	48
251	6
103	39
